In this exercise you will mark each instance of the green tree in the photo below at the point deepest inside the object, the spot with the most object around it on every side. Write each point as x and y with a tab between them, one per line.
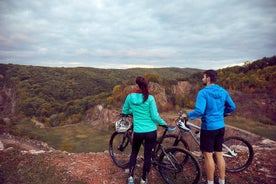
153	77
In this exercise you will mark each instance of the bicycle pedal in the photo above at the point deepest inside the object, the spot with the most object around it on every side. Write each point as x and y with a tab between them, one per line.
141	158
201	159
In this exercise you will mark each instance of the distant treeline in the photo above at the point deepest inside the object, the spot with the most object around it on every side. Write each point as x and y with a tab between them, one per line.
59	96
258	76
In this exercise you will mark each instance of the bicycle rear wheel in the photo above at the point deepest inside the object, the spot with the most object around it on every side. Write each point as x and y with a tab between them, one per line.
120	148
238	154
178	166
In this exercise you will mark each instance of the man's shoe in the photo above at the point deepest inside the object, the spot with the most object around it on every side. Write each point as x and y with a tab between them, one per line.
130	180
143	181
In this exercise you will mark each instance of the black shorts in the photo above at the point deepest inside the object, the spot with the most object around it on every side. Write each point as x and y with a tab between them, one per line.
211	140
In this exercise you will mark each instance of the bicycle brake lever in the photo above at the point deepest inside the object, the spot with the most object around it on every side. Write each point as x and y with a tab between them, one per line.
182	125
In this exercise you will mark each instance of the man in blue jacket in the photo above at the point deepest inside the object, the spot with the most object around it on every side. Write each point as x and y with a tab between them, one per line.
212	104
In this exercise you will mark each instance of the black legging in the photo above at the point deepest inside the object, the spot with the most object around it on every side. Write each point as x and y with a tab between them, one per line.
138	138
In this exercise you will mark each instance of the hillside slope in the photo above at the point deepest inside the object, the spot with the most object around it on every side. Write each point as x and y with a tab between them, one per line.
21	165
58	96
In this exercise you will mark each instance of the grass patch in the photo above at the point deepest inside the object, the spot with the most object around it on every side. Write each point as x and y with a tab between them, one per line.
264	130
74	138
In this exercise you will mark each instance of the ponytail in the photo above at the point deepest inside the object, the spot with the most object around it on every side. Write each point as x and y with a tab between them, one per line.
143	85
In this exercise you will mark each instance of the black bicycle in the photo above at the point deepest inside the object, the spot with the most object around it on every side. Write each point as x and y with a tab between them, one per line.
176	165
238	152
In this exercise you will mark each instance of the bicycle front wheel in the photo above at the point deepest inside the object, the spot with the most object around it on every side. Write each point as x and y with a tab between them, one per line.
120	148
178	166
238	154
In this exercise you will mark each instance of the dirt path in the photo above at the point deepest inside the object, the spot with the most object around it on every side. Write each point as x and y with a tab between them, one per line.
18	144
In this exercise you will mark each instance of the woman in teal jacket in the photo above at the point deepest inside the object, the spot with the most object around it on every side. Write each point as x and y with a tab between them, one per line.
143	107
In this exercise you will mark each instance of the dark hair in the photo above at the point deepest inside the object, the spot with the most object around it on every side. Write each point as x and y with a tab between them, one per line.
212	74
143	85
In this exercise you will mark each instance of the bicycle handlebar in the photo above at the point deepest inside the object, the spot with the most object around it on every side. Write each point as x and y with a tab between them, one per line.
191	124
168	128
171	128
184	124
126	115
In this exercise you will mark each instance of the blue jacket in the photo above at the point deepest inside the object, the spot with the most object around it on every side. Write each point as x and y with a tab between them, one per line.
145	114
212	103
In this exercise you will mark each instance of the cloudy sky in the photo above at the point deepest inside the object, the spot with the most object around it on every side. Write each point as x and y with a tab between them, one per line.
136	33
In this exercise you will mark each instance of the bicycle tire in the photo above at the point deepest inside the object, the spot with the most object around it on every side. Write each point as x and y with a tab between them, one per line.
244	154
120	149
179	166
172	140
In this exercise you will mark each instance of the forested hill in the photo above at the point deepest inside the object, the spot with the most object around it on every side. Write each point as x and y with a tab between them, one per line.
58	93
65	84
65	94
253	88
258	76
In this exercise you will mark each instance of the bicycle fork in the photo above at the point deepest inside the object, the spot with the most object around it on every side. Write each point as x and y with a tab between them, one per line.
170	157
123	143
232	152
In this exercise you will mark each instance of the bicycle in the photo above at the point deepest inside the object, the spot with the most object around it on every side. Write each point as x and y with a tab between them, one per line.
238	152
176	165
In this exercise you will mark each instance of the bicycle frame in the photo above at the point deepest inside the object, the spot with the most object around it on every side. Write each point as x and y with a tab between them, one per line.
159	146
184	125
237	152
193	134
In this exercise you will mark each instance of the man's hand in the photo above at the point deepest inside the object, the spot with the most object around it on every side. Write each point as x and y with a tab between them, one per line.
184	116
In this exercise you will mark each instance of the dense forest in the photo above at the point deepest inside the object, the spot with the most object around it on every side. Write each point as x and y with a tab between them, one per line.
57	96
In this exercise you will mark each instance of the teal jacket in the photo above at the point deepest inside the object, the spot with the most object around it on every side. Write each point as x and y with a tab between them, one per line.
212	103
145	114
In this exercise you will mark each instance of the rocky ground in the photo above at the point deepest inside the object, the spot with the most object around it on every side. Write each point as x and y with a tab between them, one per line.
92	168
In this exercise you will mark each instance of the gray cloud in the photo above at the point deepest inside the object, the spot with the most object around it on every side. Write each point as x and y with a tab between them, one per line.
120	33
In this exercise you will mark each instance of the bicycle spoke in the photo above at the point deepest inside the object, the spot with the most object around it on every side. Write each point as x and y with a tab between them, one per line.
179	166
238	154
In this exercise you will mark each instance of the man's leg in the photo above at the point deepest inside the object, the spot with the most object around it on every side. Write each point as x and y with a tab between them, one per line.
209	165
219	157
221	165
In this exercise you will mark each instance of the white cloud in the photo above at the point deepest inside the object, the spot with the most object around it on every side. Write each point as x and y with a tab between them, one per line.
107	33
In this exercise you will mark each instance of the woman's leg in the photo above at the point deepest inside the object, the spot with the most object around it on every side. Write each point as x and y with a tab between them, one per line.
137	141
150	140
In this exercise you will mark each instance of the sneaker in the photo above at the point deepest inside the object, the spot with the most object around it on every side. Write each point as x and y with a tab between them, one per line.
130	180
143	181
